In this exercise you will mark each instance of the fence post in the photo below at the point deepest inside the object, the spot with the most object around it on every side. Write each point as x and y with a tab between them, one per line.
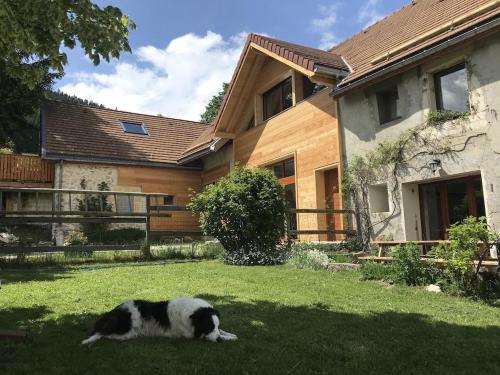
147	243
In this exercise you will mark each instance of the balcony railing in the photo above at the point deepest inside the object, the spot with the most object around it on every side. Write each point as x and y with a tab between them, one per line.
24	168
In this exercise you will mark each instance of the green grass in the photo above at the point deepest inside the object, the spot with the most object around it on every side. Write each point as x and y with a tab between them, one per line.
193	250
289	322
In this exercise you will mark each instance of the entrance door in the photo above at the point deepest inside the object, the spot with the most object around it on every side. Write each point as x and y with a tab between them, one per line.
448	202
332	200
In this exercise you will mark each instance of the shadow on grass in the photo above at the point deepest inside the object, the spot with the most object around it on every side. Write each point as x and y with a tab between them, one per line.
274	339
19	276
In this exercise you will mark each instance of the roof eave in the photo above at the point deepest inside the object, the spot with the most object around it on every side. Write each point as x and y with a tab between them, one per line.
341	89
108	160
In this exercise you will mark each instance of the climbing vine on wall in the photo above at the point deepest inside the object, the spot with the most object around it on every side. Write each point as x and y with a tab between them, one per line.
392	160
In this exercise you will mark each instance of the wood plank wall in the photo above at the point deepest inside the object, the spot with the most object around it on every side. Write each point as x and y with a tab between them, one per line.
176	182
309	131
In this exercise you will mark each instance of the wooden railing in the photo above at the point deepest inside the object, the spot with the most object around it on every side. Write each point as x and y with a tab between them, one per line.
24	168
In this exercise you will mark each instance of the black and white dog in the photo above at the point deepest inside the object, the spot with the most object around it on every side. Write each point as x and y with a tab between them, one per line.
179	317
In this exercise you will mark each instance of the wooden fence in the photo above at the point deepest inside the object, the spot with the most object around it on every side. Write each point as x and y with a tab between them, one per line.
25	168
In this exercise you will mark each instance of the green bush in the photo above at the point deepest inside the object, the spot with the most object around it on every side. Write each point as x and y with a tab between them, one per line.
76	238
118	236
245	211
460	274
408	267
313	259
377	271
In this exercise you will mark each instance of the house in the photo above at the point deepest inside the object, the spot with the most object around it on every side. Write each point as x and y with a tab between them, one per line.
306	113
440	62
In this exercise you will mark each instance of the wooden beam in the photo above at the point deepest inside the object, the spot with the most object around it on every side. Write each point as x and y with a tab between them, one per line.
275	56
225	135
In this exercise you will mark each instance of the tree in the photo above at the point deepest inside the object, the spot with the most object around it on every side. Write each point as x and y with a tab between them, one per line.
72	99
245	211
213	106
32	33
18	112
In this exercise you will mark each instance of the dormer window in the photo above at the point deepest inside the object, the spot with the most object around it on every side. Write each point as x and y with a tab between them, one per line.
133	127
278	98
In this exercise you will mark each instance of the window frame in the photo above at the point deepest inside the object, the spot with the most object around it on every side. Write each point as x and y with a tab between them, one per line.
381	95
279	86
285	180
168	197
141	124
438	90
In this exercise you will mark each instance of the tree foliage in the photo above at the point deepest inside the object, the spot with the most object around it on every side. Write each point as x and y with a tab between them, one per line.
245	211
33	32
213	106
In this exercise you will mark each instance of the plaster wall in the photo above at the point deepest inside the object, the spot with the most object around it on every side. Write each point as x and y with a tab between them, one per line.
479	136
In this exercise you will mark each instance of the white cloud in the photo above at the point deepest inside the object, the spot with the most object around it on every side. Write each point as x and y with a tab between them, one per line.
177	81
324	26
369	13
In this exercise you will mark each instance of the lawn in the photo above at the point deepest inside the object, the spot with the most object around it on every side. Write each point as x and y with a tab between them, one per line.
289	322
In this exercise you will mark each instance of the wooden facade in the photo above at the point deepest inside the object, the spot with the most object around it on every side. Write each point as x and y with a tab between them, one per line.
308	132
176	182
23	170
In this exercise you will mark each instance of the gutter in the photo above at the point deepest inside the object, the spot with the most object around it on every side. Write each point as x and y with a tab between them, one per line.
324	70
495	22
210	149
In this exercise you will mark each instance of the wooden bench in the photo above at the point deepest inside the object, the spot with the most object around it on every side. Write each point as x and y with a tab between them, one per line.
384	245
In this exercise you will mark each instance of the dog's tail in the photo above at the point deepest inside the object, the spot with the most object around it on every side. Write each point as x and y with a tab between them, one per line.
91	339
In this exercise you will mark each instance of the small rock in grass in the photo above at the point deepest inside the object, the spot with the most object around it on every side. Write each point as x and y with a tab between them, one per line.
433	288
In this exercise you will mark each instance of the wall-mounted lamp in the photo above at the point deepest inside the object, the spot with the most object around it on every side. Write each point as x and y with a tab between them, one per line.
435	165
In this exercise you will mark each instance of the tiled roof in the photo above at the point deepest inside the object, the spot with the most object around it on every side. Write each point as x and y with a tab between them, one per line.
304	56
418	25
75	130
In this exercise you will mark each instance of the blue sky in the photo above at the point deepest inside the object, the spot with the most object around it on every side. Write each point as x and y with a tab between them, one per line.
184	50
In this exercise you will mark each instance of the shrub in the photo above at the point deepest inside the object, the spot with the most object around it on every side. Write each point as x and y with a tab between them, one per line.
460	274
408	267
76	238
94	203
377	271
245	211
118	236
313	259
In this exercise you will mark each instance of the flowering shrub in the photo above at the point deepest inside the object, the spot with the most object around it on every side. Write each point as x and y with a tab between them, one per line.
245	211
313	259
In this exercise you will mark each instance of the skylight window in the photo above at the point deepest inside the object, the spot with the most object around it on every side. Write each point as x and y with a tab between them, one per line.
133	127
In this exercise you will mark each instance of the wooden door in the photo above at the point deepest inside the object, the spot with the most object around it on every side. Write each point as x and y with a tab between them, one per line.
332	200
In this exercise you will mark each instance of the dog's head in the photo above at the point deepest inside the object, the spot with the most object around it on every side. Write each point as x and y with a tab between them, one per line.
206	322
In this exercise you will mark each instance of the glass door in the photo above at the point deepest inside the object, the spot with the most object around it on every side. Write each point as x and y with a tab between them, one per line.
448	202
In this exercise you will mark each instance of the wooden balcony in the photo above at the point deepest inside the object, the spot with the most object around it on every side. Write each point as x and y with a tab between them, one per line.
18	170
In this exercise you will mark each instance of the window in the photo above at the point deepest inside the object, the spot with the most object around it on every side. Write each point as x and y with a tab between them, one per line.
133	127
124	203
387	101
283	169
452	89
278	98
378	196
168	200
310	88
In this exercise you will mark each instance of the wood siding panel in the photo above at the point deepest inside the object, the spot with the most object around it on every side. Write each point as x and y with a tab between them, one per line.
309	131
176	182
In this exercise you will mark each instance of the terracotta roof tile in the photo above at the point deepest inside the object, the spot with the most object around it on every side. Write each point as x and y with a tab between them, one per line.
301	55
76	130
409	30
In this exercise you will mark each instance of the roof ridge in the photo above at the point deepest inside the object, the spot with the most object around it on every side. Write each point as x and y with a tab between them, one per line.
365	29
286	42
118	110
